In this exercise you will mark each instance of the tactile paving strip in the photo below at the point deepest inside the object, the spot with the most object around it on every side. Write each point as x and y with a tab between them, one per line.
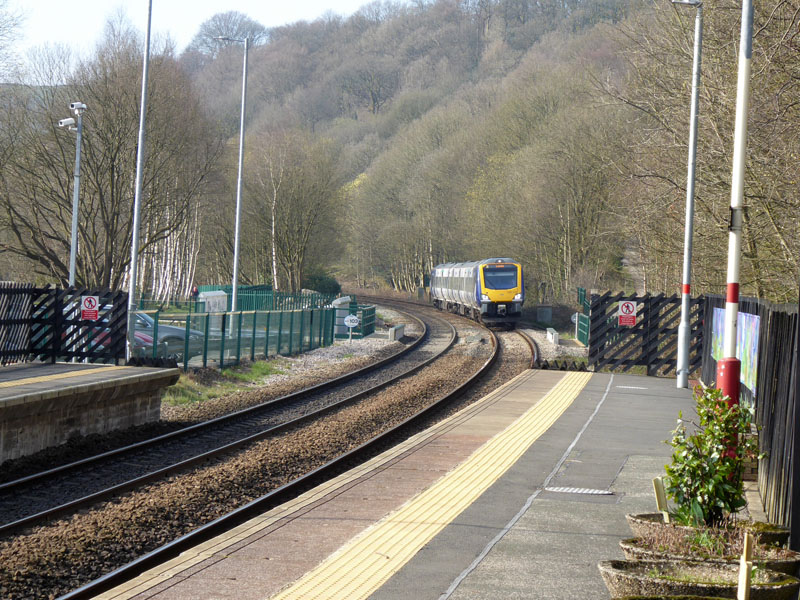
364	564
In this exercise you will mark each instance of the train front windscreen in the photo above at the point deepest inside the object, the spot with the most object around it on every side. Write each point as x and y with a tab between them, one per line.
500	277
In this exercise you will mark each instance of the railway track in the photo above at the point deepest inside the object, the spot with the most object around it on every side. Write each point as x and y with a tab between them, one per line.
60	491
284	486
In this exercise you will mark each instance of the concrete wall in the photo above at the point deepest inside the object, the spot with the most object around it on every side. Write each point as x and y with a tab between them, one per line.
38	421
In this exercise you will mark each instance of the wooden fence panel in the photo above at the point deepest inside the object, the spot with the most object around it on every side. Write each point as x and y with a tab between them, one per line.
15	328
652	342
45	324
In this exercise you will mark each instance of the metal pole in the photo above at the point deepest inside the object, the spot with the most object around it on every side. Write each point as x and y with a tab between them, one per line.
729	367
73	251
794	467
685	327
234	297
133	274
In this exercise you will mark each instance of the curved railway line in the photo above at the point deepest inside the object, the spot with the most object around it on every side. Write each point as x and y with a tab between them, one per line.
282	448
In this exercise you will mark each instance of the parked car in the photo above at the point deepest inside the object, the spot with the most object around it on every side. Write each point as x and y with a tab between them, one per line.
171	340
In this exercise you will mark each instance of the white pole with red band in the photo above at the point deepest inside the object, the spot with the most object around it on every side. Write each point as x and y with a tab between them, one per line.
685	328
729	367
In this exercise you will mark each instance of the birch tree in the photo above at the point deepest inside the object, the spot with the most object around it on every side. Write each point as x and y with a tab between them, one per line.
36	206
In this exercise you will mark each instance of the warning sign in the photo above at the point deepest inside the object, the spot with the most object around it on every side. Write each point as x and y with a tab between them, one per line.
89	308
626	313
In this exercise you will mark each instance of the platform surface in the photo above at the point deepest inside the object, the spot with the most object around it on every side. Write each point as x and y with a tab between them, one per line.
518	496
34	381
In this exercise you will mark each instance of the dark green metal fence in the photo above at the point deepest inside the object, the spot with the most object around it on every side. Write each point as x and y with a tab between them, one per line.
249	298
366	318
219	339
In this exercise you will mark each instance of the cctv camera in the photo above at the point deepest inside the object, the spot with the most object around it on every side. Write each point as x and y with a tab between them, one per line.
66	122
77	106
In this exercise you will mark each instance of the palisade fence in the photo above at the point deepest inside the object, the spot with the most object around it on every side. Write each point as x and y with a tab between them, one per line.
220	339
768	351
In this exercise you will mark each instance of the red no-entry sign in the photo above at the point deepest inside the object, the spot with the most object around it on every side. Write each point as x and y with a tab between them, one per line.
89	308
626	313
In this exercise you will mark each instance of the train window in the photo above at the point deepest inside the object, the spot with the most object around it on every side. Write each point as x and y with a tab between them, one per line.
500	277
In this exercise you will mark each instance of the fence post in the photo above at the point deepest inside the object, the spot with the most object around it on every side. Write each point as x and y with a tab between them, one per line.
280	331
266	336
222	342
302	330
238	339
253	337
186	345
205	340
291	330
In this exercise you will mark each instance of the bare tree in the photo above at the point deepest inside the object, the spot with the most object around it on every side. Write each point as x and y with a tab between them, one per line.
299	183
36	208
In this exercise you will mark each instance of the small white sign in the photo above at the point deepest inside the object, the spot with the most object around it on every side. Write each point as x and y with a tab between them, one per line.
351	321
89	308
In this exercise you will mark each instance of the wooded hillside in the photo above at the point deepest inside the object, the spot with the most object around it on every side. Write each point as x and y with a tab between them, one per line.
407	135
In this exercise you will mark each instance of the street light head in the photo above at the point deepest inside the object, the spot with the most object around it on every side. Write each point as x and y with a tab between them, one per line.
223	38
78	107
694	3
66	122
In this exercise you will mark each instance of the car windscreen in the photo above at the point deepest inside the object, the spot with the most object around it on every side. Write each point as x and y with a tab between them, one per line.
500	277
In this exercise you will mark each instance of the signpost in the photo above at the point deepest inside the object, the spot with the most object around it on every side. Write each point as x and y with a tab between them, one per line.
89	308
626	313
351	321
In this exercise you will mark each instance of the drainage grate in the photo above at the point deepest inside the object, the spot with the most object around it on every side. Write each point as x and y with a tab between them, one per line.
566	490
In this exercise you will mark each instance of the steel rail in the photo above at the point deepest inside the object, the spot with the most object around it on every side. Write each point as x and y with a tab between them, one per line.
534	364
274	498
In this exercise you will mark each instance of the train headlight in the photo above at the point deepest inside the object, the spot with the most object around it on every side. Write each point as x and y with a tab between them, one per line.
518	297
485	298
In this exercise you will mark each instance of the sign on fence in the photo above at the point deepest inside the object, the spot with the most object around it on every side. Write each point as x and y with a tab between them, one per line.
626	314
89	308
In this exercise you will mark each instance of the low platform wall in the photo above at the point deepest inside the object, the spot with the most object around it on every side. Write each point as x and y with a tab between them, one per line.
35	419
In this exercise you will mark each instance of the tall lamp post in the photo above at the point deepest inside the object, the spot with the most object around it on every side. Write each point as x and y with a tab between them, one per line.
137	201
235	293
685	327
77	108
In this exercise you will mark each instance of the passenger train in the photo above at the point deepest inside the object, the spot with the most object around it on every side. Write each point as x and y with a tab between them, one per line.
490	291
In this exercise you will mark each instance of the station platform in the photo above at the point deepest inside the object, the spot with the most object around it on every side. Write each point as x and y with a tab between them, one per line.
45	404
520	495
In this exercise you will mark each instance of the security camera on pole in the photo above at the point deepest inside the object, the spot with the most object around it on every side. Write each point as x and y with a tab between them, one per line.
77	108
729	367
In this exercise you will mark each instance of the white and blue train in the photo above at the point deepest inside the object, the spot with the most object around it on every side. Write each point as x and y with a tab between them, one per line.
490	291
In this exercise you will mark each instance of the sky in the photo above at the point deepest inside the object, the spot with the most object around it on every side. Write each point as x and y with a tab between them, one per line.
80	24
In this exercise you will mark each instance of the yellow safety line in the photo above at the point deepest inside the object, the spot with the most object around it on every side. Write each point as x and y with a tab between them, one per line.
6	384
208	549
366	562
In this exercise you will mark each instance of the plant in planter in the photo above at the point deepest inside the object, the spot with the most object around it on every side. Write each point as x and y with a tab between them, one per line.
711	544
705	477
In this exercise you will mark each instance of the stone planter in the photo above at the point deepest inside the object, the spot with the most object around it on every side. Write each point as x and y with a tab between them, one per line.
643	525
670	598
674	578
790	565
